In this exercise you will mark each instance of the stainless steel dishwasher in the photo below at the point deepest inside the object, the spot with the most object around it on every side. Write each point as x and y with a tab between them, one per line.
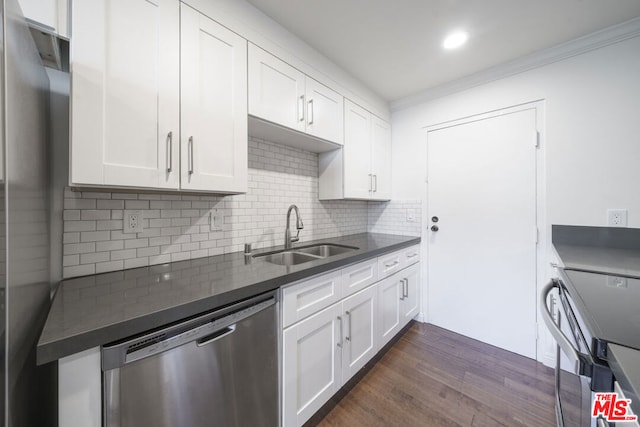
219	369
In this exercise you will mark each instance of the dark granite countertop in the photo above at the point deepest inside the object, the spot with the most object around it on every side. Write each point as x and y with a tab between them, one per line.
606	250
94	310
625	364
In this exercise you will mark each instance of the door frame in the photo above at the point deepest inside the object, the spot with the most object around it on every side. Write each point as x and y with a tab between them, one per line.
544	351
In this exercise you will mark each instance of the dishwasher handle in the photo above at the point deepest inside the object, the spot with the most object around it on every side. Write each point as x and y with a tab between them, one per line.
202	330
216	336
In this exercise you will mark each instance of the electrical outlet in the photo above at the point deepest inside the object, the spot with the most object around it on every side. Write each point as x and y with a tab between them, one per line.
132	221
216	219
617	217
616	282
411	215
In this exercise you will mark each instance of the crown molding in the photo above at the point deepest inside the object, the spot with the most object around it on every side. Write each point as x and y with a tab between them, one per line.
596	40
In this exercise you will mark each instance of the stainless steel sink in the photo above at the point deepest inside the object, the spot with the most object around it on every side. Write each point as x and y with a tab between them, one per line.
304	254
326	250
289	257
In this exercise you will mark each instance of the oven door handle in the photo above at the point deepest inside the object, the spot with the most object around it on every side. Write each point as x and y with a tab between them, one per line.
581	363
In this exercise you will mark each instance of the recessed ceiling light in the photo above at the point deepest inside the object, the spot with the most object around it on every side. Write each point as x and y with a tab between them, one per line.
455	40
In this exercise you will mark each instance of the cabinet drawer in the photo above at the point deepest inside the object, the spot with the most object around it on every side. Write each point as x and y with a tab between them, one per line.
303	299
359	276
389	264
410	255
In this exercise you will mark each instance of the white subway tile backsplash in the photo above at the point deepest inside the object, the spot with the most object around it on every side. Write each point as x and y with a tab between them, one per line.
103	267
78	248
94	214
79	226
110	204
177	226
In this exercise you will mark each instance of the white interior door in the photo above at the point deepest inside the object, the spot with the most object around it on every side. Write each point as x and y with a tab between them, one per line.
482	258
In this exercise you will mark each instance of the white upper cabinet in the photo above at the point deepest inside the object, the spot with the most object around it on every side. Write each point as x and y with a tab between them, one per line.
127	97
50	13
125	65
276	90
362	169
380	159
358	180
282	95
324	112
214	105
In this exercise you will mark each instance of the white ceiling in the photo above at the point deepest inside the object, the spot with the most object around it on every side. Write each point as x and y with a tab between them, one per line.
394	46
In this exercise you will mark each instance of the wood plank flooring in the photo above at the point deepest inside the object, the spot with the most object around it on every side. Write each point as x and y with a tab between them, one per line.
434	377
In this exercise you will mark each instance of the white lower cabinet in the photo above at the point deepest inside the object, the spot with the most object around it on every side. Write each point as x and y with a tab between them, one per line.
398	301
311	364
389	292
360	331
410	301
324	351
325	347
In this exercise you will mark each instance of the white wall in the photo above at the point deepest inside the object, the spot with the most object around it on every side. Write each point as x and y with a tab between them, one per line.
591	139
592	104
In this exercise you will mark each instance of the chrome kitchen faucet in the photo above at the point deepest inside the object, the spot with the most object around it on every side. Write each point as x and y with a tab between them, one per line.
288	240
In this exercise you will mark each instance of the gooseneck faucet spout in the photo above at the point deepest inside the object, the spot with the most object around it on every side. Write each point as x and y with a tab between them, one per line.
288	240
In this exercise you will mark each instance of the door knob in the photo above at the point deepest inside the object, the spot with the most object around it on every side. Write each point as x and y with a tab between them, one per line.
434	228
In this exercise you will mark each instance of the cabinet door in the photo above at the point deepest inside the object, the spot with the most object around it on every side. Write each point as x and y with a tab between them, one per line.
125	93
357	152
360	331
389	294
311	364
325	112
381	159
276	90
214	106
411	292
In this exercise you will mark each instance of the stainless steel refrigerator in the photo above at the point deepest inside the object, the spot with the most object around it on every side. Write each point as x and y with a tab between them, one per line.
27	392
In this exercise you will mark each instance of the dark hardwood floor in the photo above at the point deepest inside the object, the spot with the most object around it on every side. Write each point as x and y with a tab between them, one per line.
434	377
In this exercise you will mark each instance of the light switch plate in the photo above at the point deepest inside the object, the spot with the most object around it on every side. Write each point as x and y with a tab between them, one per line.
133	222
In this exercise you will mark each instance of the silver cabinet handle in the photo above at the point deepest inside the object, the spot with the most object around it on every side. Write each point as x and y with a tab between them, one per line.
402	291
301	108
348	336
370	183
216	336
413	255
170	152
391	264
310	112
375	183
341	335
406	287
190	155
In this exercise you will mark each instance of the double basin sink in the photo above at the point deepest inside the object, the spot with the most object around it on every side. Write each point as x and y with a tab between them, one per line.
295	256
